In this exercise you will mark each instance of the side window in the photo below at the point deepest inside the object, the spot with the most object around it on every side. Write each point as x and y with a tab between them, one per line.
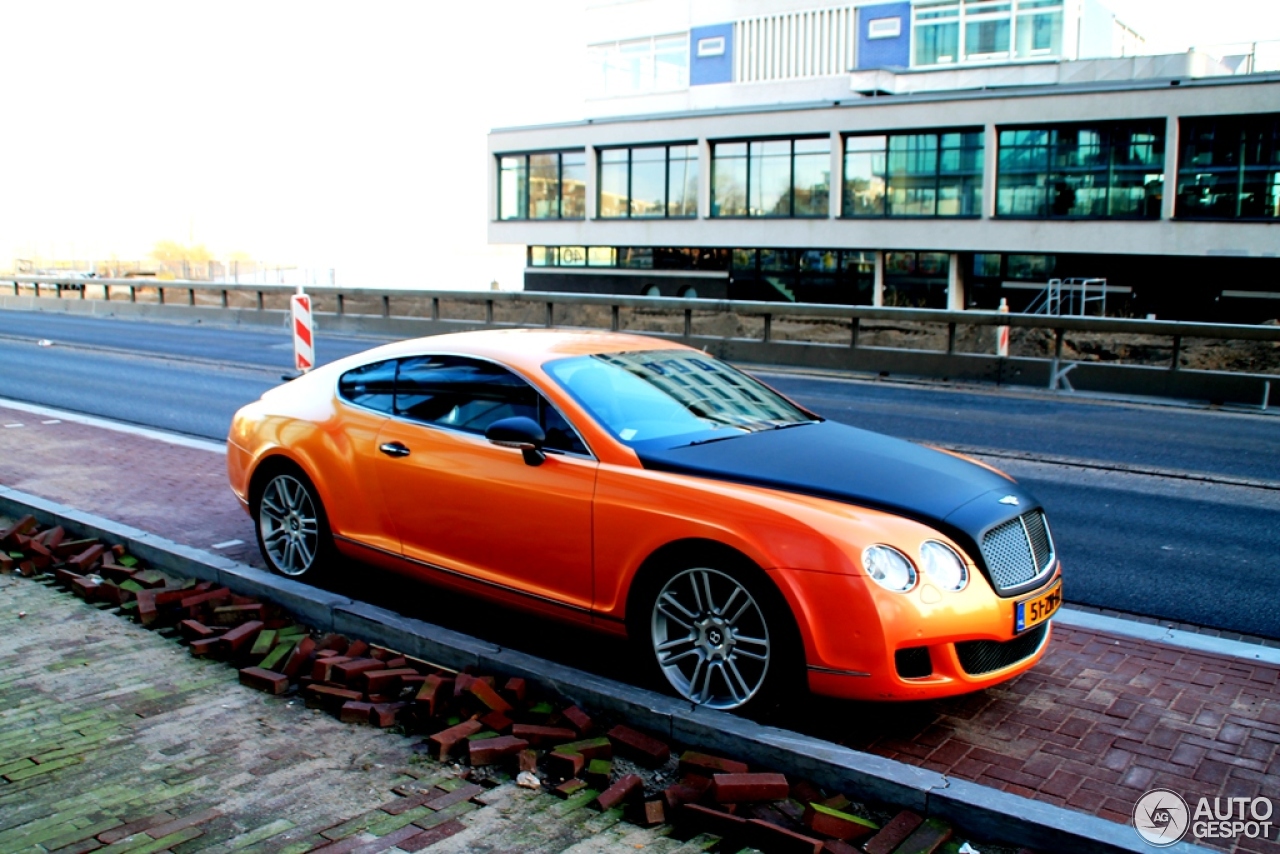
372	385
461	393
467	394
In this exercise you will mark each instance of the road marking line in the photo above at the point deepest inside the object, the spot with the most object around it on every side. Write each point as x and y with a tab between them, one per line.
52	421
118	426
7	426
228	544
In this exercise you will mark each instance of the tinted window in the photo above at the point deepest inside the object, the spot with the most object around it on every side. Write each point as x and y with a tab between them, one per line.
464	394
372	385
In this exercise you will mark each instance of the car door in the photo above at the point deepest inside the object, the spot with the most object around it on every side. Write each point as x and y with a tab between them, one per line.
465	505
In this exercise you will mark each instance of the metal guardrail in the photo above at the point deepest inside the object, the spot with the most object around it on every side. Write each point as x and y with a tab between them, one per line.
1052	372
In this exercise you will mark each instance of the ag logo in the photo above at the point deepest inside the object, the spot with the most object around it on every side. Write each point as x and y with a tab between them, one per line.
1161	817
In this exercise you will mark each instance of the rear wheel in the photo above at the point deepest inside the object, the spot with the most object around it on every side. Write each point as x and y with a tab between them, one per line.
719	637
293	532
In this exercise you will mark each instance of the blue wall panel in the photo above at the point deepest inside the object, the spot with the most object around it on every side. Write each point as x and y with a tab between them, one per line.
884	52
711	69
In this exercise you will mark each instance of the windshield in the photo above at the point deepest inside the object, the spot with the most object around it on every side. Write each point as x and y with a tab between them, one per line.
670	398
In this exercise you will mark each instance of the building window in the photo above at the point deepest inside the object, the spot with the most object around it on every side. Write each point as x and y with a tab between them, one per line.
1230	168
640	66
653	181
958	31
1088	171
923	174
771	178
547	185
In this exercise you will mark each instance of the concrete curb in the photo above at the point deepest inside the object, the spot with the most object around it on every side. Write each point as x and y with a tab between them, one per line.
978	810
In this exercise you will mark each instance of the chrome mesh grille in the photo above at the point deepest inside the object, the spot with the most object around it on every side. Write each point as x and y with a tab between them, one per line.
1018	550
978	657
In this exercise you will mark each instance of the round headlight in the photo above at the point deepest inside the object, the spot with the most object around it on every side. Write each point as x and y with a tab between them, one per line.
944	566
889	568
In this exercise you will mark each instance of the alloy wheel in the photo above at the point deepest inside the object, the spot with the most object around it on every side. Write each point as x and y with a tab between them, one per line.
710	638
289	525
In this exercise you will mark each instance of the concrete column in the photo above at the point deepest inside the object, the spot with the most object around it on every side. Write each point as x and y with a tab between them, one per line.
1172	146
593	183
704	179
955	283
836	208
990	163
877	286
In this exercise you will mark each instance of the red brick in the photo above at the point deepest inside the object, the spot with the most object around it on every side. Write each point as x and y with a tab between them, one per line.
598	773
322	670
489	751
538	735
893	834
43	557
565	764
298	658
628	787
527	760
385	714
239	637
515	689
22	526
52	537
355	712
706	765
649	814
771	838
926	838
447	741
204	646
826	821
736	788
86	588
578	719
162	830
639	747
432	836
335	642
433	692
194	630
729	828
6	564
347	671
679	794
835	846
497	721
590	748
70	548
384	681
462	793
484	692
220	594
328	695
569	788
264	680
234	615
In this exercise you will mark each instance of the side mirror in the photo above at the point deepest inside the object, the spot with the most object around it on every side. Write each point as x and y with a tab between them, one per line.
520	433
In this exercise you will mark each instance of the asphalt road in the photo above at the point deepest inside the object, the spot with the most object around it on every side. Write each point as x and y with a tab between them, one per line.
1184	541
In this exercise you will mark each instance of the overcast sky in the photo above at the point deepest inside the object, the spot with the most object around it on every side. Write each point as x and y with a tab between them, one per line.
345	135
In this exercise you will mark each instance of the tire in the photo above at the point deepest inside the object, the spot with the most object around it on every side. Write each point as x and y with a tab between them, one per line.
293	531
718	635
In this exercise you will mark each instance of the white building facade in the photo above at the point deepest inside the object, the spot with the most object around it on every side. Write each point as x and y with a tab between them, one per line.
943	153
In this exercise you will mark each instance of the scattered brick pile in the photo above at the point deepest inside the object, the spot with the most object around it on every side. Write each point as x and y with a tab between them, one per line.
499	727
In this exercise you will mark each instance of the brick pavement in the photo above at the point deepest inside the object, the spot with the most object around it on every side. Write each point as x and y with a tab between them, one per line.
114	739
1100	721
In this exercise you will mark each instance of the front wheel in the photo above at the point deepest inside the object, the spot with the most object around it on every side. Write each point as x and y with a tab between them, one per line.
718	638
293	533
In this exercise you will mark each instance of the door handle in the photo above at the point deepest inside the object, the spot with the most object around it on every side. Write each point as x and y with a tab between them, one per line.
393	449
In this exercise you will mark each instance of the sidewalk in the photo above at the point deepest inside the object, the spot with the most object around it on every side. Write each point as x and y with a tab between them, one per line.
1100	721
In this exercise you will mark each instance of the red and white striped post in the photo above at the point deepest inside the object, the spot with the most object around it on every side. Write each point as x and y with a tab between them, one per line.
304	350
1002	332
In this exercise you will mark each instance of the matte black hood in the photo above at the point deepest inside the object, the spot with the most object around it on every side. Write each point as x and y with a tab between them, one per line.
832	460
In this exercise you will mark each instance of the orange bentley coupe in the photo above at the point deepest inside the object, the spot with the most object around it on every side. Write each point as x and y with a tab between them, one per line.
745	545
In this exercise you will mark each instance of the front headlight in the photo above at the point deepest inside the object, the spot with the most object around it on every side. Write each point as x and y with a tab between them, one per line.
944	566
889	568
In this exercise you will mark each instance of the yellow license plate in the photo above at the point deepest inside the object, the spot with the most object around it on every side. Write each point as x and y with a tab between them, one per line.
1034	611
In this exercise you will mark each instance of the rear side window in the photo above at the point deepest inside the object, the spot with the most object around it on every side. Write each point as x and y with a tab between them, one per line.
373	385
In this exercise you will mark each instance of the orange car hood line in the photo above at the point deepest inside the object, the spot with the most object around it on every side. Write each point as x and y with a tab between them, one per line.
835	461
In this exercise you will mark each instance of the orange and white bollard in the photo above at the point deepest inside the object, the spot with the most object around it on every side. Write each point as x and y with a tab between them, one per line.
1002	332
304	351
